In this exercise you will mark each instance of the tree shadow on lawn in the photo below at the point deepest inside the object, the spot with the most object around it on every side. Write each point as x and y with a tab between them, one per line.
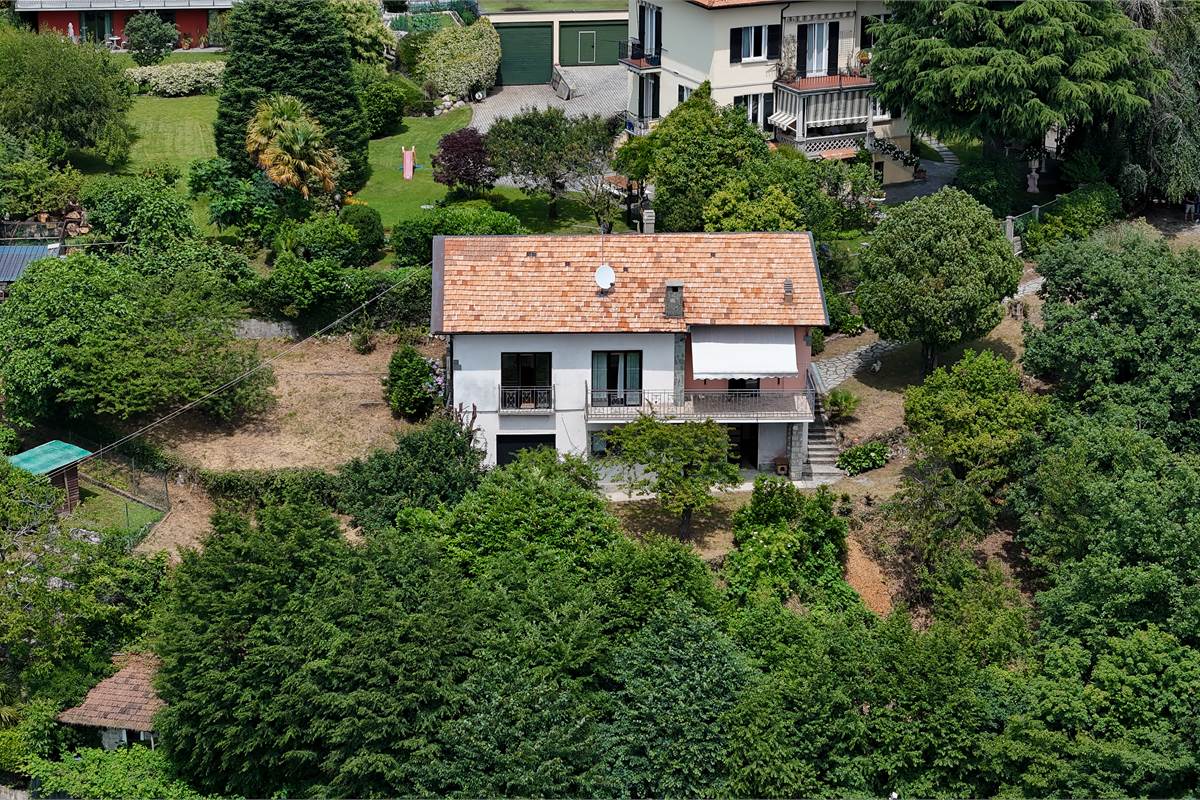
573	217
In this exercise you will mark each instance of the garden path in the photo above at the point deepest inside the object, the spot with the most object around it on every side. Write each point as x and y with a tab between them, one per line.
940	174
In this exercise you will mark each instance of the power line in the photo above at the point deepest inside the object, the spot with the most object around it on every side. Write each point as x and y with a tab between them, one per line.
228	384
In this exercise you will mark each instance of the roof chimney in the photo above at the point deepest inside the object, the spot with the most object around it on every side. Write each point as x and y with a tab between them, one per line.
788	293
673	302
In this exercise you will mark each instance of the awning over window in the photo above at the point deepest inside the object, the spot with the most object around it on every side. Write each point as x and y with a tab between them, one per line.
782	119
743	351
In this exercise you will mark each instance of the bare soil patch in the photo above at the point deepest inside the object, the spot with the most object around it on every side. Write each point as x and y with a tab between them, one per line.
838	344
329	409
867	578
184	526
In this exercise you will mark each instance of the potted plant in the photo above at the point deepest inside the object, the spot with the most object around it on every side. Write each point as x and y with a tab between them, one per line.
185	43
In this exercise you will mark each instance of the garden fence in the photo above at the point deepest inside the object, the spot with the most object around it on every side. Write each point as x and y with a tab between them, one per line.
1016	225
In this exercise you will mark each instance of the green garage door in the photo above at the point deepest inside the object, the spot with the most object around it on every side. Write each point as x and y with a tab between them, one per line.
587	43
526	53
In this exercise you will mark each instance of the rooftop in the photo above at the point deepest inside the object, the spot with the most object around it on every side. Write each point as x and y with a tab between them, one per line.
14	259
126	700
48	457
735	3
546	284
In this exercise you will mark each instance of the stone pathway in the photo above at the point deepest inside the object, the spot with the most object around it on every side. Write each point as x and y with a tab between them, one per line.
940	173
594	90
838	369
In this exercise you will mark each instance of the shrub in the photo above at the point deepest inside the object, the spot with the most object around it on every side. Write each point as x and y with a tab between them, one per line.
10	442
412	238
412	383
163	171
149	38
383	105
1076	215
842	318
1132	183
265	487
369	226
327	236
30	185
458	61
863	457
178	80
103	774
817	337
841	403
296	285
993	181
461	161
138	210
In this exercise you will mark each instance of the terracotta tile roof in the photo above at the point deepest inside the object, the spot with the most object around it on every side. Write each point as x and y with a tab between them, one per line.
546	284
126	700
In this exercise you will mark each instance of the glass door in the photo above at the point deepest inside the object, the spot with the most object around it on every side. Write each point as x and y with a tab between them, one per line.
95	26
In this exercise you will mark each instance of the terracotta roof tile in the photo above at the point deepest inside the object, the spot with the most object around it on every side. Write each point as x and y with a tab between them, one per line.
546	284
126	700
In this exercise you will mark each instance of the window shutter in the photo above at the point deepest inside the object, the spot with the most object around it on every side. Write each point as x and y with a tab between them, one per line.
654	96
802	50
657	31
833	48
774	42
642	24
735	45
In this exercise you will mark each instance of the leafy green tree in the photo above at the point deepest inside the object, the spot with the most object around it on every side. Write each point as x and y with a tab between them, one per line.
412	237
297	48
368	224
1120	330
680	463
458	60
87	108
431	467
698	148
297	287
1007	73
149	38
412	385
31	184
369	36
974	415
543	151
935	273
111	775
142	211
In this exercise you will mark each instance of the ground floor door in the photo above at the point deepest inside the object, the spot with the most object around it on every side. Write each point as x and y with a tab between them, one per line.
587	43
508	445
743	445
526	53
96	26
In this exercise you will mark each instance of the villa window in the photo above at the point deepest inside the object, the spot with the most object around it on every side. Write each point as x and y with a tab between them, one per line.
755	43
616	378
525	380
817	46
759	108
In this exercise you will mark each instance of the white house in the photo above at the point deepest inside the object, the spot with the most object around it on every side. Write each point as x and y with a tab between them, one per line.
798	68
553	339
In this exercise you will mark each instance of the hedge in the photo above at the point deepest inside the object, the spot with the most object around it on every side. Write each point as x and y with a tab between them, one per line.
1074	217
266	486
178	80
457	61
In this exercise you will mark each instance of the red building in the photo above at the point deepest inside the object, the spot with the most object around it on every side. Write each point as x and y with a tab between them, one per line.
102	19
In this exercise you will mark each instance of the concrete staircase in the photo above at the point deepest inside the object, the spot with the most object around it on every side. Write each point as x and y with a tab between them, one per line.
822	451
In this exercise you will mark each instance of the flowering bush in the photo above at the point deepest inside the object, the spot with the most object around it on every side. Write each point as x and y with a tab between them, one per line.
457	61
412	383
178	80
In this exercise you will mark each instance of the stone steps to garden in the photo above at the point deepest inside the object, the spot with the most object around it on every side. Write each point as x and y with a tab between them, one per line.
821	467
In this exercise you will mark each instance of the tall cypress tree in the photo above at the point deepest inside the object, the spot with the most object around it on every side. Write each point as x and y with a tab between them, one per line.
295	47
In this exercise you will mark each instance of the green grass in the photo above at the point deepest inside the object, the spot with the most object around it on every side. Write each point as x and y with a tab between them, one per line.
495	6
178	57
926	152
100	509
966	149
178	130
387	191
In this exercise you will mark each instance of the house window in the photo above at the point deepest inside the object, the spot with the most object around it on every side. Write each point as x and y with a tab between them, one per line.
650	28
759	108
525	380
878	112
755	43
616	378
647	99
817	56
685	92
866	39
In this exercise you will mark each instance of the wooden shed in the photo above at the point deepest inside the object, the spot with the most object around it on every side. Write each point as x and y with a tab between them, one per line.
60	461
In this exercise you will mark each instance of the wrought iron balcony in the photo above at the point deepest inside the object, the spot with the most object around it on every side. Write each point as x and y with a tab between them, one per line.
526	399
719	405
637	124
639	57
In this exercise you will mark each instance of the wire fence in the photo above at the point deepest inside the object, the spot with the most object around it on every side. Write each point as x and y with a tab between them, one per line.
1016	225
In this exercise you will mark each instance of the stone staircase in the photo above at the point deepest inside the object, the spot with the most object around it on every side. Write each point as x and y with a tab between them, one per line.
822	451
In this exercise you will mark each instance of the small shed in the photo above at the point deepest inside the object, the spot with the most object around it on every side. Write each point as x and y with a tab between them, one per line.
13	261
60	461
123	706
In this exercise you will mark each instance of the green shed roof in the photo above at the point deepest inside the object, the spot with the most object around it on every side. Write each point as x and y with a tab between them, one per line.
48	457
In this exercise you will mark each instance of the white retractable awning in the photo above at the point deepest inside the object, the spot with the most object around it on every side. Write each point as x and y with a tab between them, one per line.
743	351
782	119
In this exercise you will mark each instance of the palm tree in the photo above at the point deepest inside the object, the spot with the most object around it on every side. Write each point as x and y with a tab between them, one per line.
271	115
299	158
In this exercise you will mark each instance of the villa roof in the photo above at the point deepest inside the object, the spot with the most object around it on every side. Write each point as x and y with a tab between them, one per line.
126	700
546	284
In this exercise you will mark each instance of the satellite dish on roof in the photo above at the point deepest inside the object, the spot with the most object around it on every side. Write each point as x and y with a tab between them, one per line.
605	277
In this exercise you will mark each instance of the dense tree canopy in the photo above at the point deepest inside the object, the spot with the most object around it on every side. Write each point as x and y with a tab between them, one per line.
298	48
1008	72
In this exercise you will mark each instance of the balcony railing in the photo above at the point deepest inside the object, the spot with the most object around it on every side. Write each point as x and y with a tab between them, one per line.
526	399
793	406
634	54
637	124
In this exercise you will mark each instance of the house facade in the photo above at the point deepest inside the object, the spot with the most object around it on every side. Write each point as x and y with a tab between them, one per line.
555	339
99	20
799	69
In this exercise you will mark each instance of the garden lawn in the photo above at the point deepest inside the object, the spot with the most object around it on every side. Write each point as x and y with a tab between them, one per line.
100	509
177	57
177	130
387	191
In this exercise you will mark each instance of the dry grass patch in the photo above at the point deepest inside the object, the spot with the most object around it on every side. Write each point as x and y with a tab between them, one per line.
712	532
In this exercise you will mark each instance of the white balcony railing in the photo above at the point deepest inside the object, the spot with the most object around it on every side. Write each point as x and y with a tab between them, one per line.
720	405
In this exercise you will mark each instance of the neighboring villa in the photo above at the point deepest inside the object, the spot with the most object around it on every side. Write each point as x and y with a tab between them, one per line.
798	69
104	20
555	339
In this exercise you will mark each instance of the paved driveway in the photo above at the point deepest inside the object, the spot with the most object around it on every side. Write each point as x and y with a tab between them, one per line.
594	90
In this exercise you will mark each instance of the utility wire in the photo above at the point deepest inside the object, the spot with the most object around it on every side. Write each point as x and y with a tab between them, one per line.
228	384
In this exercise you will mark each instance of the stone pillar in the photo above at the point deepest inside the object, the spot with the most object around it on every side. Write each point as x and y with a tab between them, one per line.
797	448
680	365
648	221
